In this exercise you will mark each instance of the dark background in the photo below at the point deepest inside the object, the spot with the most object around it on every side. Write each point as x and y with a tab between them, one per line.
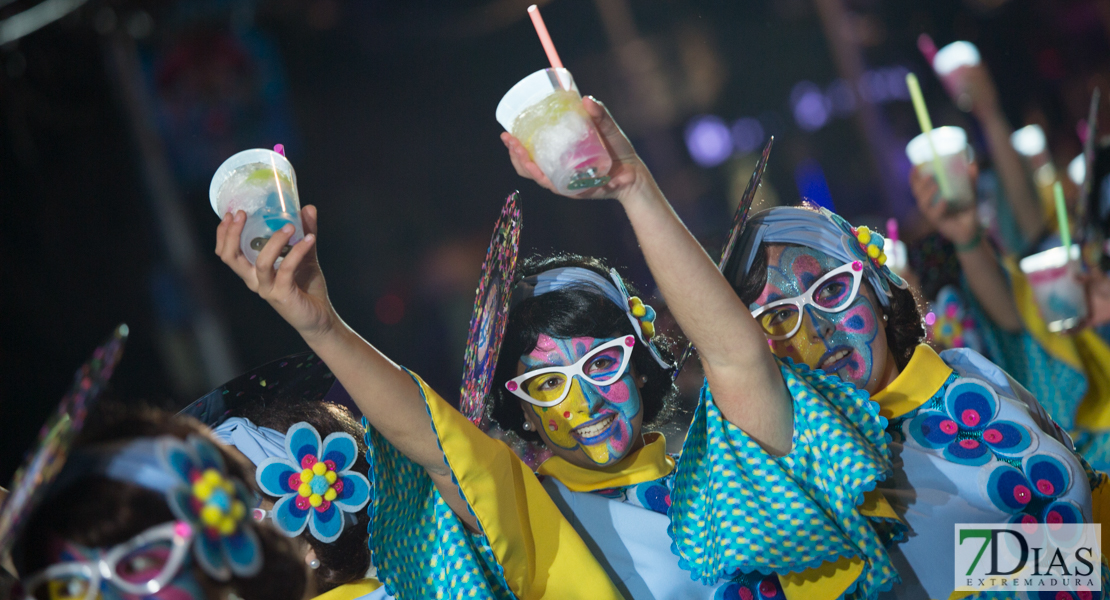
113	118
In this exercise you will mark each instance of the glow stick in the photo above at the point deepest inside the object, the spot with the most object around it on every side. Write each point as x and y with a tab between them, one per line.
927	129
1062	217
545	37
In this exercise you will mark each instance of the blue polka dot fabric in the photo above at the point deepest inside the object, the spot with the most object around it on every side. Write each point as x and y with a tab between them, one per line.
737	510
420	547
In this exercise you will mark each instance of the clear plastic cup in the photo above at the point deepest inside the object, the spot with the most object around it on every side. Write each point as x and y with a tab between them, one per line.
955	157
1053	275
951	64
544	111
1031	144
1077	169
262	184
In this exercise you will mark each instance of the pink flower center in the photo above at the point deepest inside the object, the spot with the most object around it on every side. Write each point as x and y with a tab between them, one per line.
767	588
308	461
1022	494
970	417
1054	518
969	444
1045	487
949	426
992	435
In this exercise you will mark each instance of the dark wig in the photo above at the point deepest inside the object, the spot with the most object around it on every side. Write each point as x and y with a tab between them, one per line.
573	313
904	330
348	558
98	512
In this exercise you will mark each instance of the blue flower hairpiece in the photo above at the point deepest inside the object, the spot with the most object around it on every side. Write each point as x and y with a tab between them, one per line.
314	483
214	503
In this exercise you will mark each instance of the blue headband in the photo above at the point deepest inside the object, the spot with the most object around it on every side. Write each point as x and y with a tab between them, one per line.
257	443
564	278
821	230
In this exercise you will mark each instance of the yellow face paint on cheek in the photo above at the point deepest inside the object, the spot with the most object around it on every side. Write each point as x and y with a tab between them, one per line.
799	348
560	420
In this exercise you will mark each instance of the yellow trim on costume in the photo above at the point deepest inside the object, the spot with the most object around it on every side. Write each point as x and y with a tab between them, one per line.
915	385
1094	410
826	582
646	464
958	594
875	505
351	591
540	552
1100	506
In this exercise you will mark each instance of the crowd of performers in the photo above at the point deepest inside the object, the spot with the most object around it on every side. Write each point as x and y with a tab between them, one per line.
831	453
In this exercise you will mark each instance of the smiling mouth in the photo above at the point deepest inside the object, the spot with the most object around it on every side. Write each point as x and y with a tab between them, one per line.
835	359
595	431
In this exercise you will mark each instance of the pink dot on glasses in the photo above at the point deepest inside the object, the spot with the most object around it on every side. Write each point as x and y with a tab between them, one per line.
930	318
182	529
511	385
629	341
857	266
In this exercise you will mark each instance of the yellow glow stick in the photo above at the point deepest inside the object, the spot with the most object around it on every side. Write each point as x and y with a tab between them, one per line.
927	129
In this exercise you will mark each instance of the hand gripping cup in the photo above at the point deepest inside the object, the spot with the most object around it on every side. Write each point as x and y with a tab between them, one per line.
544	111
1053	276
262	184
955	157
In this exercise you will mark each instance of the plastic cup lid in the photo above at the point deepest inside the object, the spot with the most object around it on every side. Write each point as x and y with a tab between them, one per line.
1048	259
1077	169
531	90
246	157
1029	140
948	140
954	56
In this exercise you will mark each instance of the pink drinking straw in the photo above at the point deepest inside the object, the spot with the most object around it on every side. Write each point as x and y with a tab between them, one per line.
892	229
545	37
927	47
280	149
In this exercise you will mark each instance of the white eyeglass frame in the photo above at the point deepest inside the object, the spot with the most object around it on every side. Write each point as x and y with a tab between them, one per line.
179	533
806	298
516	384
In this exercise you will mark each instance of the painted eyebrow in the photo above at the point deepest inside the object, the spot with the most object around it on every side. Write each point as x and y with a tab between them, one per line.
544	365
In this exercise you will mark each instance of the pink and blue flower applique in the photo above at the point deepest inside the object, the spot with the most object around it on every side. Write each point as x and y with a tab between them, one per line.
965	428
1032	494
314	484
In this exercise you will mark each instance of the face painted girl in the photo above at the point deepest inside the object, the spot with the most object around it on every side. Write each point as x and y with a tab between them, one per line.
831	321
582	397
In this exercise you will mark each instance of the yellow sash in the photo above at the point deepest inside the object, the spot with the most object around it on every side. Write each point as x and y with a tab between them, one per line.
646	464
351	591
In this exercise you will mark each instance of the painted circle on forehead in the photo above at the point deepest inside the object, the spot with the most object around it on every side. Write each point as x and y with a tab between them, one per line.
792	270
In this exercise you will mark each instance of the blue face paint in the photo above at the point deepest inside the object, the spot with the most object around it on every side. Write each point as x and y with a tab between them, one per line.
843	343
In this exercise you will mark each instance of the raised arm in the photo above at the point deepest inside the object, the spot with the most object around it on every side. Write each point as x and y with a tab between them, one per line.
977	259
745	379
382	390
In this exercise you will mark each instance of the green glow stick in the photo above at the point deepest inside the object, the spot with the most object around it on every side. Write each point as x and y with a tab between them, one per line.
1062	217
927	129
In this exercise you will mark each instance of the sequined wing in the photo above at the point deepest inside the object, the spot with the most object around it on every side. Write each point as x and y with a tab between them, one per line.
45	460
491	311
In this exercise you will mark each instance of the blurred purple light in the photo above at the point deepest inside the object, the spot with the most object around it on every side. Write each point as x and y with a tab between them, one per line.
747	135
708	140
872	86
896	82
842	98
811	108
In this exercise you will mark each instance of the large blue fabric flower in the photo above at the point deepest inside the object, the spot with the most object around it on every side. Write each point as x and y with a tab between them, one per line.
215	504
314	483
965	430
1032	493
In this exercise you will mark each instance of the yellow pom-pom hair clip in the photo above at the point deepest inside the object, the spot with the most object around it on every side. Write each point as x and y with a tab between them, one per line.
872	244
645	314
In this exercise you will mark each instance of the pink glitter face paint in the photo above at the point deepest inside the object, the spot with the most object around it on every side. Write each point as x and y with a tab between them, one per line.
597	419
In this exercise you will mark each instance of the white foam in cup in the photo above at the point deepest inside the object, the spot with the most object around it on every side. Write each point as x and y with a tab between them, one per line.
1077	169
951	145
531	90
270	201
1053	275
